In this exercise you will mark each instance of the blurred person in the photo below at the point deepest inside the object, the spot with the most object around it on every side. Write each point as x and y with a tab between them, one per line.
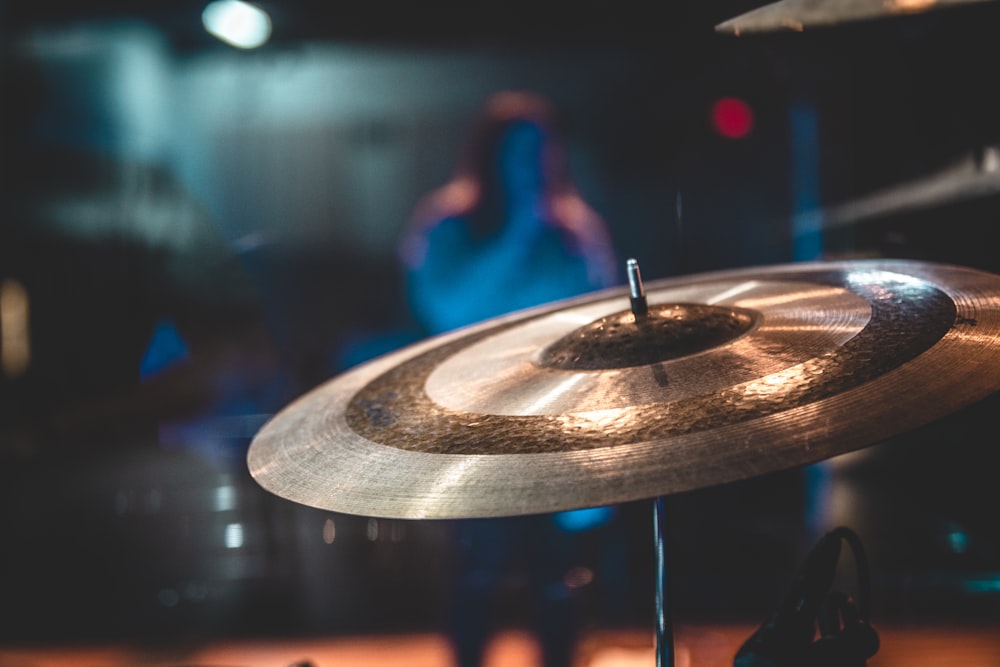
509	231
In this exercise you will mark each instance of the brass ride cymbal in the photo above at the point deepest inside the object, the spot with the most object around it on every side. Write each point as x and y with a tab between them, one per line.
730	375
799	15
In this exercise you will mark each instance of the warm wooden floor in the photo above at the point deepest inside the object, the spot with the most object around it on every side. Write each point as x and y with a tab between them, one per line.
696	646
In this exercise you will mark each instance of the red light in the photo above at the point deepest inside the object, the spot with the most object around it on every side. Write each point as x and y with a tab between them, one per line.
732	117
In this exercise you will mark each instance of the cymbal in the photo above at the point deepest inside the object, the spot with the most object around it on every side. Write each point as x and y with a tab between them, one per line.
954	185
731	375
799	15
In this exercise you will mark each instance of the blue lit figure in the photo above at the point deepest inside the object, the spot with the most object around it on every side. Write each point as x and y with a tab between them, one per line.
508	232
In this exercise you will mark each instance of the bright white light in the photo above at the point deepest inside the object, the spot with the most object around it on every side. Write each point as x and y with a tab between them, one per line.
237	23
225	498
234	535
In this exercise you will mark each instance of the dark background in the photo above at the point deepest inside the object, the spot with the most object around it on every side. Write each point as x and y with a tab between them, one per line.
205	233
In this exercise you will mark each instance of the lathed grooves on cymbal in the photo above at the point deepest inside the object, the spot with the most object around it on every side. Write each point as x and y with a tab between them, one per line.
506	373
477	423
394	409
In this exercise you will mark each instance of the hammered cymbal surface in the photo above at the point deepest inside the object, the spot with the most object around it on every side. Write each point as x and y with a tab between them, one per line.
542	411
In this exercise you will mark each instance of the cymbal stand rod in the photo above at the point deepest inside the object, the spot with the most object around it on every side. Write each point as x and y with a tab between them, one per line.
664	619
664	625
637	294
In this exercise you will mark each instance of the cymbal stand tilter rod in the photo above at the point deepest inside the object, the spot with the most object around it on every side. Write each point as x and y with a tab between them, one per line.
637	293
664	619
664	625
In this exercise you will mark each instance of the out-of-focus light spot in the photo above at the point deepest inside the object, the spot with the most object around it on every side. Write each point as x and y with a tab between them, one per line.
15	340
908	6
237	23
168	597
958	541
329	531
234	535
397	531
985	585
372	530
622	656
166	348
578	577
732	117
225	498
576	521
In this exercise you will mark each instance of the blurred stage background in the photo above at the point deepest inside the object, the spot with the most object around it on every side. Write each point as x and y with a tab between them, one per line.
194	234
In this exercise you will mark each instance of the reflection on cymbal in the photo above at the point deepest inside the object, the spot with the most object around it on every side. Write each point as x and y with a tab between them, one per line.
581	403
799	15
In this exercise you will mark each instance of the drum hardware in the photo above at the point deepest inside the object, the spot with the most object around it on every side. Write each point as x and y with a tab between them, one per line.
846	638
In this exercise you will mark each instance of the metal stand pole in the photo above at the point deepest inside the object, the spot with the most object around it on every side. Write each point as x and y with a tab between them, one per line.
664	622
664	627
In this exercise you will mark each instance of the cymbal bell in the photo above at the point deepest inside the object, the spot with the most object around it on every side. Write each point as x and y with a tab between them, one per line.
799	15
730	375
